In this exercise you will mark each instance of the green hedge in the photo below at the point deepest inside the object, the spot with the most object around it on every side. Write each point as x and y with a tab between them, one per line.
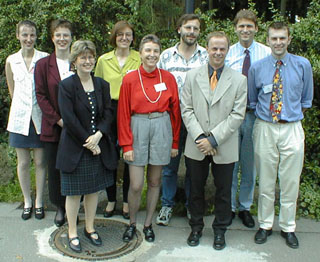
93	19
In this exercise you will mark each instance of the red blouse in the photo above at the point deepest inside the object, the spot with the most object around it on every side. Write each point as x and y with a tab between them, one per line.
133	101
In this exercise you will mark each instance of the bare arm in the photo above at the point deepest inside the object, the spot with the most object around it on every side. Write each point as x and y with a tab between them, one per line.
9	77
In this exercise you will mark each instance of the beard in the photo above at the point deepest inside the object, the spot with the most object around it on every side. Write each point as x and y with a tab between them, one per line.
187	41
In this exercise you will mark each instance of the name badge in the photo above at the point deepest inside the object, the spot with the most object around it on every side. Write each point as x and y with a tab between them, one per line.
267	89
160	87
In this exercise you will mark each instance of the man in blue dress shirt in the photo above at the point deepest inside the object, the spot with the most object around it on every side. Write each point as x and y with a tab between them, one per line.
240	56
280	89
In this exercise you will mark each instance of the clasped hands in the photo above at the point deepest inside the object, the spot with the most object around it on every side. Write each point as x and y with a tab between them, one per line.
92	143
205	147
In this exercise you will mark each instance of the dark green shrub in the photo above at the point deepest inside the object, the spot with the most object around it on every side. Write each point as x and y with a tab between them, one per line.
93	19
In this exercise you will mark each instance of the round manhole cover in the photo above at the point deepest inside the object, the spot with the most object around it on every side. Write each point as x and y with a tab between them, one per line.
110	232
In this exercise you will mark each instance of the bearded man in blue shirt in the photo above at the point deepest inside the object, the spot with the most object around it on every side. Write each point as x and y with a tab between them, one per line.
280	90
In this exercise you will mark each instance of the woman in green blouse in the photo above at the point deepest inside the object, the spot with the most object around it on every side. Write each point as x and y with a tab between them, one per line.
112	67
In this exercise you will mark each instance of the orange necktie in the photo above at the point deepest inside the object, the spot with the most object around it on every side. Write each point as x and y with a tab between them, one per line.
213	80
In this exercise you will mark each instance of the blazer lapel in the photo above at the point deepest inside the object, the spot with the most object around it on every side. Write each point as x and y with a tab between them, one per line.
203	82
80	91
223	85
20	62
53	67
98	91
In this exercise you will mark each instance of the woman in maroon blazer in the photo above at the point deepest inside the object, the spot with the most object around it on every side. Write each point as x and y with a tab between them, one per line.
49	72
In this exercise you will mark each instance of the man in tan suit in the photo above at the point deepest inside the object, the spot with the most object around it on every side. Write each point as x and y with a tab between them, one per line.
213	106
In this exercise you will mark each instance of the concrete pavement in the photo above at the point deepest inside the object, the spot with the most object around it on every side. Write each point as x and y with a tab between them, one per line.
27	241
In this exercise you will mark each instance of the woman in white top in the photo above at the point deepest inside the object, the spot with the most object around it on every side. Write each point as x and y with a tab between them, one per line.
24	122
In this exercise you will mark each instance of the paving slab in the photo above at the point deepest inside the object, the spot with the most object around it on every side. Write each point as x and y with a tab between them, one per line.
28	241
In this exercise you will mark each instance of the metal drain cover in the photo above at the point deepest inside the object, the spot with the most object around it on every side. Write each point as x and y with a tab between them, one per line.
110	232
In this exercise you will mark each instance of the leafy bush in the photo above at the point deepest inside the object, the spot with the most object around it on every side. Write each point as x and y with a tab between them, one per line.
93	19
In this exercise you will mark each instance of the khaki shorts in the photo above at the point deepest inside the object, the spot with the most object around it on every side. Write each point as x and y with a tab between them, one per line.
152	139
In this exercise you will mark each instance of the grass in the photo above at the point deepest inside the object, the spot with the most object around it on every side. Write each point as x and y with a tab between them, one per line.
11	192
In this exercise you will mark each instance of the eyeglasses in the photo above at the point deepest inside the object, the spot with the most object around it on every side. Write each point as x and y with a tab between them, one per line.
85	58
189	28
128	35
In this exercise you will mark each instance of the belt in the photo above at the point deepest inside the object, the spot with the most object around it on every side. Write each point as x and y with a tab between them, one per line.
283	121
152	115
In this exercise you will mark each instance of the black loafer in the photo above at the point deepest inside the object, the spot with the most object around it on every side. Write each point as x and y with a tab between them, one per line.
108	213
262	235
39	213
125	215
129	233
26	213
246	218
94	241
148	233
75	248
219	242
194	238
59	218
291	239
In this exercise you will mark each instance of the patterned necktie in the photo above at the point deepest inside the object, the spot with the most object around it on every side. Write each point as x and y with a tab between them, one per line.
246	63
276	97
213	80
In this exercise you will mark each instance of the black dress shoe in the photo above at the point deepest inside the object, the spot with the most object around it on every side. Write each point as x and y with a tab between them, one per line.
194	238
246	218
125	215
262	235
39	213
94	241
60	219
26	213
148	233
219	242
233	214
109	213
291	239
75	248
129	233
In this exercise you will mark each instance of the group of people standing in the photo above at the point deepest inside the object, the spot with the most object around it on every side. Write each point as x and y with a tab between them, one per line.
224	107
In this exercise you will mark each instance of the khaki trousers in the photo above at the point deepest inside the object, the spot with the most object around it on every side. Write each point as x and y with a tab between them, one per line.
278	153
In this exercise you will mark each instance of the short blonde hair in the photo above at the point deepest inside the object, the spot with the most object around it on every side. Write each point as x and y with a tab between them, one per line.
78	48
218	34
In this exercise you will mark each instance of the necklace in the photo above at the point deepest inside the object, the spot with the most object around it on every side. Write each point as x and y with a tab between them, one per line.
144	92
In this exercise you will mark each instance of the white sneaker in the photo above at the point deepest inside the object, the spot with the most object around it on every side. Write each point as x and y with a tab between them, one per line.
164	216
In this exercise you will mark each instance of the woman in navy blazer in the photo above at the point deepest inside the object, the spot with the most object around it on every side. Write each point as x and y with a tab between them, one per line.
86	156
49	71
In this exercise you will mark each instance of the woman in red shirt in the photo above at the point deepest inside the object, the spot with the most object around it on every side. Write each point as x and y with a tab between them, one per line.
148	129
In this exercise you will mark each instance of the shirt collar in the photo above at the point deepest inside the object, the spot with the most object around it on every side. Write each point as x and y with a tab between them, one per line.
284	59
112	55
211	70
250	48
176	50
152	74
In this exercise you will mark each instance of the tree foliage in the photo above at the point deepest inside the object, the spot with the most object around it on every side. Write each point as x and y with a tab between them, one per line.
93	19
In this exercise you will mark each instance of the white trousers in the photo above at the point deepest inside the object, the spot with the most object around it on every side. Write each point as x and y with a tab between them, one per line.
278	152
